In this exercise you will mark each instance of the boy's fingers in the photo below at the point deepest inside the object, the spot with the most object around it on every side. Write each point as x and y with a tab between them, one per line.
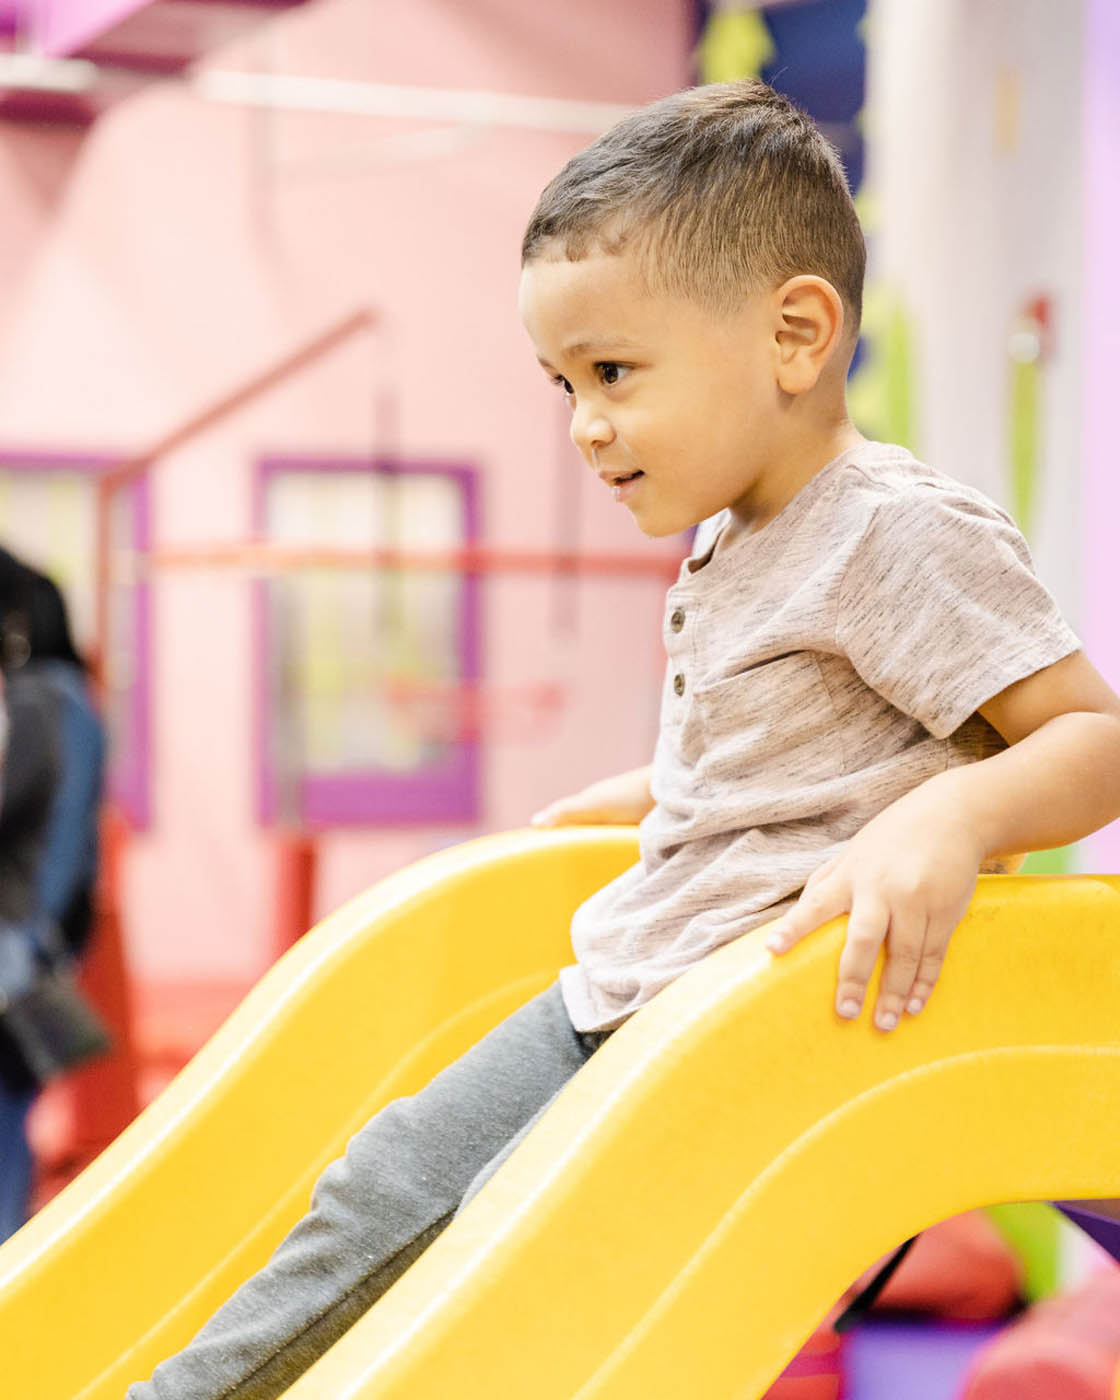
565	813
929	969
815	907
822	872
904	959
867	928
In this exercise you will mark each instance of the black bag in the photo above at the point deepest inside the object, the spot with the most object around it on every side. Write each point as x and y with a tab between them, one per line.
45	1019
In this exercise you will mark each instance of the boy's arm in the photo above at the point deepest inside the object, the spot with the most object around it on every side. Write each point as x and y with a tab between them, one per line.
622	800
908	876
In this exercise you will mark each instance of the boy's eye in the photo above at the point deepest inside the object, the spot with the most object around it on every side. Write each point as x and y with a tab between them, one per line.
608	371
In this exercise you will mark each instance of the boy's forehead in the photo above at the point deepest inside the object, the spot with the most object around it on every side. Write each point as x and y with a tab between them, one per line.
584	302
575	308
612	274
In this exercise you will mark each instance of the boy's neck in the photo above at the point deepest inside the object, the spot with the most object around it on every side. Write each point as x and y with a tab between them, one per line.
801	456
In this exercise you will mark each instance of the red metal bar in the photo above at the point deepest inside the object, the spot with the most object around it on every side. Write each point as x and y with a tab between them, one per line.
257	557
131	468
138	465
297	861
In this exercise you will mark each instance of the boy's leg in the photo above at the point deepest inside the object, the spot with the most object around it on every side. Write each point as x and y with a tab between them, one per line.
374	1211
592	1041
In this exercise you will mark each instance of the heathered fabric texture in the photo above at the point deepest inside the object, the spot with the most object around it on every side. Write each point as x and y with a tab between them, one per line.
818	669
403	1178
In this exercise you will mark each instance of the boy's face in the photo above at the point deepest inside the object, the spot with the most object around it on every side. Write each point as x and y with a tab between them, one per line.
675	408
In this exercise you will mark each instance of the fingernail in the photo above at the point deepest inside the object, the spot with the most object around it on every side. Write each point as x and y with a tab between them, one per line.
775	944
848	1009
886	1021
914	1005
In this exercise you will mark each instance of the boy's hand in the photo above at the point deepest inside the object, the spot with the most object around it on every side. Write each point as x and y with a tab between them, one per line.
910	873
619	801
906	878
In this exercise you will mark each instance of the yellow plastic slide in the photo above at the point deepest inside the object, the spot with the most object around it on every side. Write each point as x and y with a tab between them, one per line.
678	1222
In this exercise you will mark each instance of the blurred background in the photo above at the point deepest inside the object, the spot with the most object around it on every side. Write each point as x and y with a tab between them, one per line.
270	421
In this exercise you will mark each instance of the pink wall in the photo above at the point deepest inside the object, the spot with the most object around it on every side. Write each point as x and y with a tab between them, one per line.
183	246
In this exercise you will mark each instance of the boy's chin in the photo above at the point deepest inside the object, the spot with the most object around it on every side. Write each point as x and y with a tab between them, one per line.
662	529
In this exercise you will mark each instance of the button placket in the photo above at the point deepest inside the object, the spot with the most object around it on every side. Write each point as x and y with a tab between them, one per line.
676	647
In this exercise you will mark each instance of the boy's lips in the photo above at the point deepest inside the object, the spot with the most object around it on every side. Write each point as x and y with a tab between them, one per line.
622	484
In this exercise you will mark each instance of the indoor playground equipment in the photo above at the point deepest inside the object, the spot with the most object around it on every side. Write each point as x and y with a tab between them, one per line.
679	1221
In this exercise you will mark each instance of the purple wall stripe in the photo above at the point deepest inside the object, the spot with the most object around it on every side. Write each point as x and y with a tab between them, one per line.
1101	362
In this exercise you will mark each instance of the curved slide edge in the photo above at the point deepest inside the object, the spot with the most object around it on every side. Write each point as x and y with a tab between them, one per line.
729	1161
124	1265
680	1219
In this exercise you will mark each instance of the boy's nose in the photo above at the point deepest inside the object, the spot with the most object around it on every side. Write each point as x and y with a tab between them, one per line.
590	430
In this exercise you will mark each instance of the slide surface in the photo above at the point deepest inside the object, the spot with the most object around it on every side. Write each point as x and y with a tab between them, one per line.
678	1222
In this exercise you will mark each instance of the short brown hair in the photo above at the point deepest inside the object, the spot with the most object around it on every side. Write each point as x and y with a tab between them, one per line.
723	188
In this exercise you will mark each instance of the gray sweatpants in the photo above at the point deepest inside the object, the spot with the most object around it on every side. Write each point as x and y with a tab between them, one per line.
376	1209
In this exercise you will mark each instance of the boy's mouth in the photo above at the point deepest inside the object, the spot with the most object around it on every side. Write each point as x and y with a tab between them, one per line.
623	484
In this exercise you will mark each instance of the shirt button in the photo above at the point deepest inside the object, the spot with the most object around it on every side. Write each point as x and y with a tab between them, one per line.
676	622
678	684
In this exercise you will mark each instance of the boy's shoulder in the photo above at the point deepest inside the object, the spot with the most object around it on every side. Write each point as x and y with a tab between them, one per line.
872	489
883	479
875	513
893	525
881	508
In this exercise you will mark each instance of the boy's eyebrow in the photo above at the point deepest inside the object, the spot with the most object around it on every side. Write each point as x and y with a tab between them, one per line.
599	342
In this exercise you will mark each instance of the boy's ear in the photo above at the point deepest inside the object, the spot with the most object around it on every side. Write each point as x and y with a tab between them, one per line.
809	326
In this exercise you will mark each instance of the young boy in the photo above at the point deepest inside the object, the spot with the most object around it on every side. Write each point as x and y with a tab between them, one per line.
869	693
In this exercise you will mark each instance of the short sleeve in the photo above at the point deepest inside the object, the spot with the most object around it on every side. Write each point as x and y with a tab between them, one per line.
940	607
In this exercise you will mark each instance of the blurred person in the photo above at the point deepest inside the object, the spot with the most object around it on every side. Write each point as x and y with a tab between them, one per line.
32	767
49	800
68	870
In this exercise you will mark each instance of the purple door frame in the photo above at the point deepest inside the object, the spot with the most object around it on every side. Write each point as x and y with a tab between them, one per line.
446	792
129	786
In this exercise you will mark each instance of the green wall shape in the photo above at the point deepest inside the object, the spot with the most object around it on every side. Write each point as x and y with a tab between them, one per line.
881	394
735	44
1060	861
1023	433
1034	1231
